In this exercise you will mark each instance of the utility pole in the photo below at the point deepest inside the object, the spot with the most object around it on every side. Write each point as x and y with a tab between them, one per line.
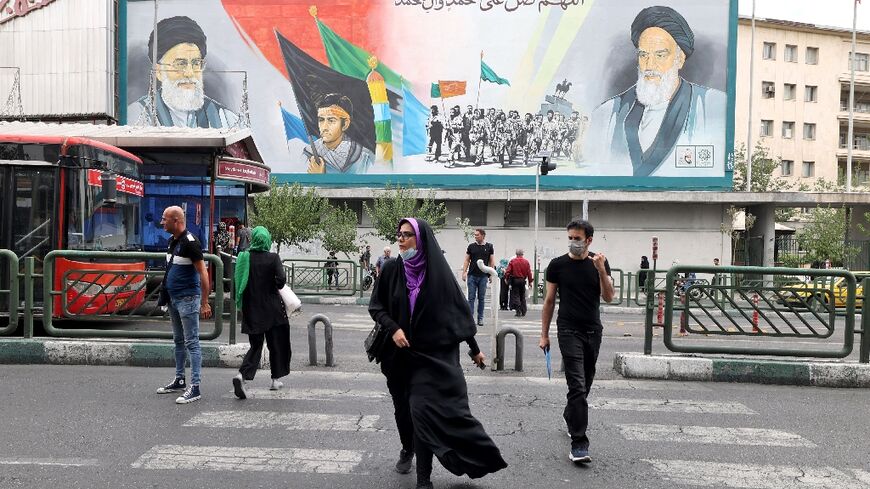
750	115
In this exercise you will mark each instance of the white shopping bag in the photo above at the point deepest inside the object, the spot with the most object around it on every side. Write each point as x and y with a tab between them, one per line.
291	303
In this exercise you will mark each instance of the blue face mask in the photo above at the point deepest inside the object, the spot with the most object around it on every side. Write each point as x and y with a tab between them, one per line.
408	254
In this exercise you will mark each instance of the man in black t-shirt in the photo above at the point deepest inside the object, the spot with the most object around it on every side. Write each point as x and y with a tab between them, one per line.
476	278
581	279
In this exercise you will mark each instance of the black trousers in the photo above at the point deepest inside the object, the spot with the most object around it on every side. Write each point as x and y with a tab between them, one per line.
278	341
518	295
503	294
436	136
579	349
393	366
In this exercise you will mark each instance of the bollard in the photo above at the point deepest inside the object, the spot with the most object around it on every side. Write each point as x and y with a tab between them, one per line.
498	361
29	266
684	318
660	316
312	340
755	313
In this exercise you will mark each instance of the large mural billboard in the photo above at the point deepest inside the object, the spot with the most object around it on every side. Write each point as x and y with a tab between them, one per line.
449	92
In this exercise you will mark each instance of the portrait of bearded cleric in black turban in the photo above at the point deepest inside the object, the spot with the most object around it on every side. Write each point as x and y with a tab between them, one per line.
649	129
179	57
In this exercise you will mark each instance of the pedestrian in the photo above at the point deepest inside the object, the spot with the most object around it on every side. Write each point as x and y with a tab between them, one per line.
716	282
383	259
503	293
476	278
518	272
365	258
421	306
581	278
331	270
222	238
259	276
186	282
243	238
642	274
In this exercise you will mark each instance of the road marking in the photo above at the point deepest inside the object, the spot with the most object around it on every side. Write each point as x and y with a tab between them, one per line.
670	406
714	474
247	459
297	394
286	421
60	462
712	435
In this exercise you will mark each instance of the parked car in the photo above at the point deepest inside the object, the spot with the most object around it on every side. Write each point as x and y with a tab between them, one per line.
823	291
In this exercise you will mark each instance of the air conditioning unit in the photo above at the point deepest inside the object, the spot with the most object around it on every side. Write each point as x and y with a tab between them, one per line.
769	89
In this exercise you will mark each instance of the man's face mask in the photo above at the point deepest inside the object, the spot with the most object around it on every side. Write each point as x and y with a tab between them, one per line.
577	248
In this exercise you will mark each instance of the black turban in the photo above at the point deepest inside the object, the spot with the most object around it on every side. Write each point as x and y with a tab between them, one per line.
173	31
668	19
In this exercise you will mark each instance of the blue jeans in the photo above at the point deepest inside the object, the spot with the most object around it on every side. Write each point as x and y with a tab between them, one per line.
477	288
184	312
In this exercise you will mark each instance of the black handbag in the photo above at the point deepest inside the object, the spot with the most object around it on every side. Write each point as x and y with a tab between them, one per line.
374	342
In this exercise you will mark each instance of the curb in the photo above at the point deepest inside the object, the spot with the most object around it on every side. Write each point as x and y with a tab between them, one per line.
139	354
757	371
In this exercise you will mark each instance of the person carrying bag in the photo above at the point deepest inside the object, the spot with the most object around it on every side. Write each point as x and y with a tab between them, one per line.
259	277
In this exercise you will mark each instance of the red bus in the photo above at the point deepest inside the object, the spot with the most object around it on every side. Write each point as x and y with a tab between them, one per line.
58	195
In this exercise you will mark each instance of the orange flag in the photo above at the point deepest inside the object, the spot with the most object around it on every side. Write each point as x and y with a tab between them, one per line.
451	88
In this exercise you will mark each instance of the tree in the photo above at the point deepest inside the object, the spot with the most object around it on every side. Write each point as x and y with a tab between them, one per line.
824	236
290	213
764	168
395	203
338	230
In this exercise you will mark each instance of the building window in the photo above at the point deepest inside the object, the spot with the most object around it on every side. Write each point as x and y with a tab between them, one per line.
516	214
789	91
809	169
812	57
862	60
787	168
768	89
475	212
790	53
811	93
787	129
766	128
557	214
769	50
809	132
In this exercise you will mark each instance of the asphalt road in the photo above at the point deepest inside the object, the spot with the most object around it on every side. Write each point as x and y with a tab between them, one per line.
89	427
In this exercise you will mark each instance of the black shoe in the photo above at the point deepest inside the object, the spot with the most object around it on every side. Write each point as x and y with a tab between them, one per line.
176	385
238	387
403	466
425	485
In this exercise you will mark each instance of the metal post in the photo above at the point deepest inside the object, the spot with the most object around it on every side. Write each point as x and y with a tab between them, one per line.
849	141
537	189
864	352
493	275
312	340
749	114
648	324
29	267
498	360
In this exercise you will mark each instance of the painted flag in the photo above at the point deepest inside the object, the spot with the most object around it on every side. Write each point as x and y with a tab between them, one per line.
381	108
487	74
294	128
311	81
435	91
414	128
448	88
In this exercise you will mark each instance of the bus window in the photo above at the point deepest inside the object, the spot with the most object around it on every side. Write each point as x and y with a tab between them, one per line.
33	207
93	226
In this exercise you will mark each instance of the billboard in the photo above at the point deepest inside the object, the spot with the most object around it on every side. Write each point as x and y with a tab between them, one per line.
458	93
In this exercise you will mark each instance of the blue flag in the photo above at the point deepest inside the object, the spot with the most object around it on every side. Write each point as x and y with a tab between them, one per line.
414	125
294	128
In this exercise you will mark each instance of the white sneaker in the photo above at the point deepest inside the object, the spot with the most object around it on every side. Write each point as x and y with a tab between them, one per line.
276	384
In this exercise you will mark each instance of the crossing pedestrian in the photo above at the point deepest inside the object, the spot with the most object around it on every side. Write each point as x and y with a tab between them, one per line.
581	278
518	273
421	305
504	290
187	286
476	278
259	276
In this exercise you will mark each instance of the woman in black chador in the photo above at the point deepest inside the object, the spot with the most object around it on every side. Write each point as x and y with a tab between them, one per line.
418	301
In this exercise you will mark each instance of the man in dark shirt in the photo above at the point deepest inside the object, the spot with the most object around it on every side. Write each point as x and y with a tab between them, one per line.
518	272
186	281
476	278
581	279
243	238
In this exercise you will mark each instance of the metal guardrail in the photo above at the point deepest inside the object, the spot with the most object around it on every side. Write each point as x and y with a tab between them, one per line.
312	277
11	293
760	308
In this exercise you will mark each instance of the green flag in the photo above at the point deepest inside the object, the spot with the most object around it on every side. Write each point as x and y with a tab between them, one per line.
486	74
351	60
435	92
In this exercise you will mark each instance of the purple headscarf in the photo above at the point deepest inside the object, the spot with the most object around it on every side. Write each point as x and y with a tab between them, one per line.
415	268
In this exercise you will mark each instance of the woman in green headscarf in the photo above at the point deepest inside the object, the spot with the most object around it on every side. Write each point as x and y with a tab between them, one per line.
259	276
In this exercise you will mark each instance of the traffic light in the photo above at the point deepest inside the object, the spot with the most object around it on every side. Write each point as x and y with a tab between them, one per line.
546	166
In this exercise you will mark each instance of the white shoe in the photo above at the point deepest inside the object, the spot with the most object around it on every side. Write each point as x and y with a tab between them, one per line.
276	384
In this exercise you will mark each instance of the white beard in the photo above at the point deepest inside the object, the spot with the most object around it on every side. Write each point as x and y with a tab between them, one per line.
183	99
650	93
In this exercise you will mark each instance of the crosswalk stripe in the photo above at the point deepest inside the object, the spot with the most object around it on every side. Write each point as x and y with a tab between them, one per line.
286	421
670	406
60	462
248	459
313	394
715	474
712	435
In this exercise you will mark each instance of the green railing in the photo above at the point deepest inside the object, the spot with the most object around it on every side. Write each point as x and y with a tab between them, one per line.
9	296
313	277
773	306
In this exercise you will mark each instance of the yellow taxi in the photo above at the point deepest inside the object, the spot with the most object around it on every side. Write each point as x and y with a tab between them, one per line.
823	290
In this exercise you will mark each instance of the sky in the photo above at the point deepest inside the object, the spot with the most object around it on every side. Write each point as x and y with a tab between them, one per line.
834	13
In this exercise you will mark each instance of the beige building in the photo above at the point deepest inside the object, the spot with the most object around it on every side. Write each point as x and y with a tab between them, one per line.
801	97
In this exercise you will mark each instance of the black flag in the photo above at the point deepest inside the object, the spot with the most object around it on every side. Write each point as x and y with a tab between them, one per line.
312	80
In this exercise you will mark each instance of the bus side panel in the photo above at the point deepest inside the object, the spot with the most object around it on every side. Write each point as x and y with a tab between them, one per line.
122	292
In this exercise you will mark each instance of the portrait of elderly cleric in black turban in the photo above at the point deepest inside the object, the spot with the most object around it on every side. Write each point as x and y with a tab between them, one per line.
648	129
180	59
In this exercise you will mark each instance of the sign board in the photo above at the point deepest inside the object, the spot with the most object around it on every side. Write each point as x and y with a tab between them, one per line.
242	172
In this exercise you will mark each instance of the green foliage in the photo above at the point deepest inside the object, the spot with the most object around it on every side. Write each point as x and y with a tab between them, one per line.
397	202
465	227
791	260
824	236
764	167
290	213
338	231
